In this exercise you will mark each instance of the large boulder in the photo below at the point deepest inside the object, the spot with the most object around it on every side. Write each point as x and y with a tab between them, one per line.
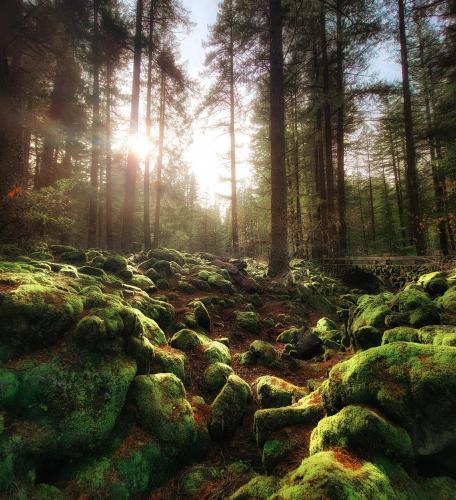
33	316
163	410
261	353
364	432
413	385
273	392
371	310
229	407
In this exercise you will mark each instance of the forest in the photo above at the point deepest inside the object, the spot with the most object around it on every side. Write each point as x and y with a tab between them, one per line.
227	249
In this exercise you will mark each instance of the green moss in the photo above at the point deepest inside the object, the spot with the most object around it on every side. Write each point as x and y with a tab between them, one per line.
402	334
163	409
9	385
259	488
46	492
139	325
76	256
33	316
261	353
115	264
167	254
201	315
188	340
248	320
448	300
363	432
216	352
371	310
433	283
101	331
160	311
366	337
335	475
193	480
92	271
91	475
288	336
308	410
216	376
229	407
413	385
143	282
274	451
273	392
410	299
218	282
426	315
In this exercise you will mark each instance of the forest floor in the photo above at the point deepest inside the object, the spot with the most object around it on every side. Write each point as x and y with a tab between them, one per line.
167	375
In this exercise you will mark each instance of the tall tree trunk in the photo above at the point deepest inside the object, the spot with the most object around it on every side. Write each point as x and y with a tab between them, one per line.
438	178
371	197
340	130
234	214
147	235
161	136
398	188
128	220
329	167
93	203
319	246
297	181
108	211
11	96
278	261
411	172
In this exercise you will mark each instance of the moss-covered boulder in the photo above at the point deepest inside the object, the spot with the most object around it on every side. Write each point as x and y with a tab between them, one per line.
216	352
259	488
448	300
216	376
401	334
34	316
335	474
413	385
143	282
366	337
167	254
93	271
307	411
201	315
273	392
101	331
159	310
59	411
163	410
188	340
248	320
371	310
288	336
229	407
138	324
115	264
364	432
261	353
433	283
193	479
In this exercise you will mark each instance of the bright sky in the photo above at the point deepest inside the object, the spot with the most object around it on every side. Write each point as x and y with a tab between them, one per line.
208	153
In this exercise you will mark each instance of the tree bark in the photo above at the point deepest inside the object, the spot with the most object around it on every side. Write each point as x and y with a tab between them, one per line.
108	211
147	234
94	166
411	172
128	219
278	261
329	167
234	213
438	178
161	136
340	133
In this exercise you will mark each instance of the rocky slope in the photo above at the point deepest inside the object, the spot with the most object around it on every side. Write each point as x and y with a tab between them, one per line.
166	375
